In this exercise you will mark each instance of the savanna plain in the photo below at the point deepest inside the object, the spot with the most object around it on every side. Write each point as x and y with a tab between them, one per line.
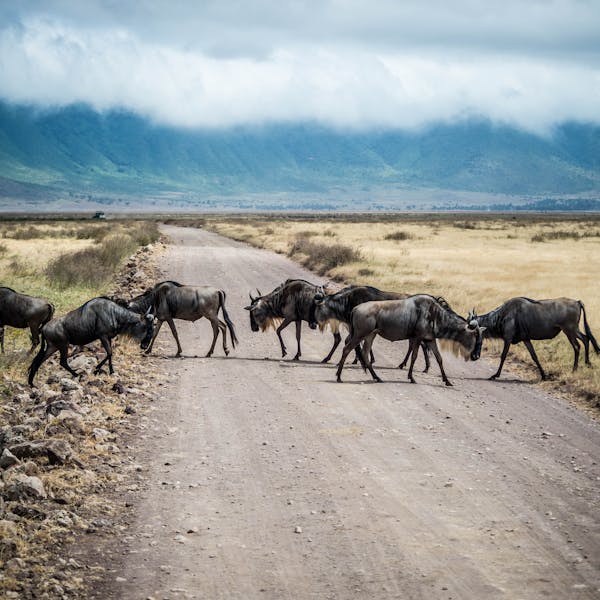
472	260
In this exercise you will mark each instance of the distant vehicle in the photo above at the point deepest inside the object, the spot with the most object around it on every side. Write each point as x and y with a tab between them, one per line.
99	215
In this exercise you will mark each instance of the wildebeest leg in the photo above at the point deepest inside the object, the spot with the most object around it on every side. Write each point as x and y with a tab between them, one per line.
529	347
2	338
108	349
572	337
586	346
215	327
337	338
502	359
156	330
35	337
349	346
434	348
298	334
283	325
44	353
413	346
171	324
223	328
425	356
64	353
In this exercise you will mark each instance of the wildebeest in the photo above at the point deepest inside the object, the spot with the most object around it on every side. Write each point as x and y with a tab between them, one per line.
338	307
290	302
22	311
98	319
419	318
171	300
523	319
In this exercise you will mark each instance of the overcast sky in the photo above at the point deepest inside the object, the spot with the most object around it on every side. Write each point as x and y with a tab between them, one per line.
345	63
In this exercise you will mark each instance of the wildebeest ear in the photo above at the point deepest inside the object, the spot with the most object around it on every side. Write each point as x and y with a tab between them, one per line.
482	329
249	307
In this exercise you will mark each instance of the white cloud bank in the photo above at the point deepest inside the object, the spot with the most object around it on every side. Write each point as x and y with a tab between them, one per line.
531	64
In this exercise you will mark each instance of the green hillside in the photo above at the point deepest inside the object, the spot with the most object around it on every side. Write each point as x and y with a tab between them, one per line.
77	149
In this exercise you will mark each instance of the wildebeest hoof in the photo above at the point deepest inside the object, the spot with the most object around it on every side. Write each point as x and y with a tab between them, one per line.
208	354
411	379
325	360
226	352
492	377
296	358
448	383
378	380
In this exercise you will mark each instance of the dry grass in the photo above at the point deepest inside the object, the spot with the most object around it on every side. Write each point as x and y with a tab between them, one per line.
65	262
476	262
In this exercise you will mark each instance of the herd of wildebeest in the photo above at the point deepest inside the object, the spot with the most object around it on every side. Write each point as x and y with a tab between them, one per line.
366	311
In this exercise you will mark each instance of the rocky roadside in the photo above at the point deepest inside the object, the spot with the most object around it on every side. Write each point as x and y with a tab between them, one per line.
64	455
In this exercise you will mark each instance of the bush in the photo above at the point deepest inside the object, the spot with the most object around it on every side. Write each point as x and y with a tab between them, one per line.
145	232
90	266
3	248
323	257
399	236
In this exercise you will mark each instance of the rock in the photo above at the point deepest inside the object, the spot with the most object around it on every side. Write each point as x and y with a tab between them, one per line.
83	363
56	450
69	384
68	421
8	550
119	388
25	486
21	398
8	459
298	529
7	528
100	434
57	405
15	564
29	512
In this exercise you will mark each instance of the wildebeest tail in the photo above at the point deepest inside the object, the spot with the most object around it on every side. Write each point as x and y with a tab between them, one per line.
234	339
49	315
588	331
36	363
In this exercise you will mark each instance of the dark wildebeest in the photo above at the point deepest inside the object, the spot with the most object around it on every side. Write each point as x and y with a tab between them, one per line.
523	320
171	300
419	318
290	302
337	308
98	319
22	311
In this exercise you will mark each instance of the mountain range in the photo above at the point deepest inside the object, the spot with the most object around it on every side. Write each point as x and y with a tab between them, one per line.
73	156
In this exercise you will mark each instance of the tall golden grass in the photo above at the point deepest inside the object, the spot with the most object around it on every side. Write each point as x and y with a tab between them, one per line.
474	261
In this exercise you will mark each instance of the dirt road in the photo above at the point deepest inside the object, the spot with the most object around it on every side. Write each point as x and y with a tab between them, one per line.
266	479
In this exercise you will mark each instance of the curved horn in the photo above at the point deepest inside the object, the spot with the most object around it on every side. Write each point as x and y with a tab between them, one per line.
259	293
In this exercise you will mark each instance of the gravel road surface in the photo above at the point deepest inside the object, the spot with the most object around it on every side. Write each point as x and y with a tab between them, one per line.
266	479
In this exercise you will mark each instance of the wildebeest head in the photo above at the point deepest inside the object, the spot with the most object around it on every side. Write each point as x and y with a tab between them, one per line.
473	325
260	313
319	315
145	329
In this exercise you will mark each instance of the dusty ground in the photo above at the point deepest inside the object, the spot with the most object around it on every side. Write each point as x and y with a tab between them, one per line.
263	478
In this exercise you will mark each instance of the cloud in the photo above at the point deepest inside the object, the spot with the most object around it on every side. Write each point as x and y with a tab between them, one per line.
222	64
